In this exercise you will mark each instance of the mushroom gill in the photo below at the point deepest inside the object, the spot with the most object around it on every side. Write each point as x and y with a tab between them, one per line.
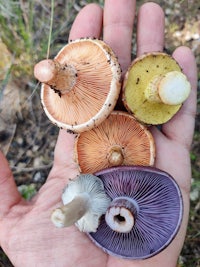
118	140
144	215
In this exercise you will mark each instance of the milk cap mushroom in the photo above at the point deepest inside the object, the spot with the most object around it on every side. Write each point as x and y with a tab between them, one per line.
155	88
84	202
81	85
118	140
145	213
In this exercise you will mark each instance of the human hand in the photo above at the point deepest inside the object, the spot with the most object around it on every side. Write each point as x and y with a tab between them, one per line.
26	233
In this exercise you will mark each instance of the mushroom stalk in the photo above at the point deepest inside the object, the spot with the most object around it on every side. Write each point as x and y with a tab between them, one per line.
171	88
60	77
115	156
121	214
70	213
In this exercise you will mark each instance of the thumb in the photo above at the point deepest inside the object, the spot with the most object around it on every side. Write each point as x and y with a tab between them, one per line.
9	195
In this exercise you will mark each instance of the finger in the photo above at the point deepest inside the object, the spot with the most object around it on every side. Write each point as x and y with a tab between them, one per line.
150	29
9	195
88	23
118	27
180	128
64	157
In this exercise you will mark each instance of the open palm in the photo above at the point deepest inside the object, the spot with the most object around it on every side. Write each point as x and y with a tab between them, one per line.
26	232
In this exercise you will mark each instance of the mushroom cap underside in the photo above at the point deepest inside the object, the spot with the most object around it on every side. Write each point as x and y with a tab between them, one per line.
119	135
95	92
92	189
137	78
160	213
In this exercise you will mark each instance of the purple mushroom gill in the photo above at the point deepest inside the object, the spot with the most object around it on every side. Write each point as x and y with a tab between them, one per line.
144	215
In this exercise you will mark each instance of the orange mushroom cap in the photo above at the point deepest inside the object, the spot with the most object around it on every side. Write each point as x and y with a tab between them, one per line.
118	140
93	92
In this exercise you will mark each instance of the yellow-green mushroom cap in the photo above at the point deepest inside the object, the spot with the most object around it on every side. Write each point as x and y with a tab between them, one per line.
154	88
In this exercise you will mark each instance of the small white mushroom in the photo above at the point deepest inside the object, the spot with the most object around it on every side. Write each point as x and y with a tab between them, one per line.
84	202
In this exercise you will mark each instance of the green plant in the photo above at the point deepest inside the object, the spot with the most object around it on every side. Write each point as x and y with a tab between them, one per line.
26	27
27	191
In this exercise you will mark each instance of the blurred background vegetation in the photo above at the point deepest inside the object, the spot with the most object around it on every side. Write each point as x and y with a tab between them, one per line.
24	38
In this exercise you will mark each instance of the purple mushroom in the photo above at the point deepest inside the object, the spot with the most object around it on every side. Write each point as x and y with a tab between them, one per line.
144	215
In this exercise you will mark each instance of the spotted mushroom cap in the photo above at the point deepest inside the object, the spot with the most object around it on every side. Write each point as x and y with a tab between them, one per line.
157	209
95	91
118	140
146	73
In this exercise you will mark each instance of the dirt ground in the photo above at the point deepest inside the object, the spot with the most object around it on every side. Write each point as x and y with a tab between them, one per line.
28	138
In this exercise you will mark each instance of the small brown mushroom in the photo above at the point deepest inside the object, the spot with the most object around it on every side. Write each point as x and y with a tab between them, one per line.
154	88
118	140
81	85
84	202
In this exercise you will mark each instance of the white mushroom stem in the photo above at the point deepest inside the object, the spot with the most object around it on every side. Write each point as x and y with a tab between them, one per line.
70	213
173	88
121	214
115	156
61	78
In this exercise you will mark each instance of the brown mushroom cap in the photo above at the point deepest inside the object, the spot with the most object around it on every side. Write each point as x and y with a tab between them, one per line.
96	88
118	140
154	88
